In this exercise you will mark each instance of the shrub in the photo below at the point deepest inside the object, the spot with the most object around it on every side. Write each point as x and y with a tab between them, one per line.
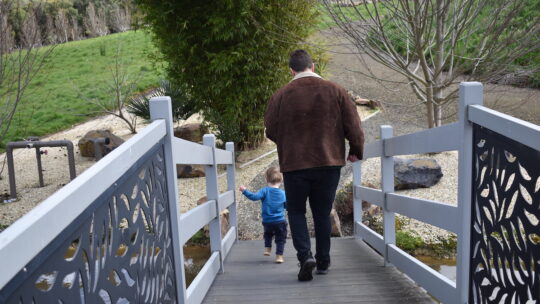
407	241
231	55
182	104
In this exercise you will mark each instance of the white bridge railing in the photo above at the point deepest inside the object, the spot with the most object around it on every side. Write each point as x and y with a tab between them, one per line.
97	219
456	136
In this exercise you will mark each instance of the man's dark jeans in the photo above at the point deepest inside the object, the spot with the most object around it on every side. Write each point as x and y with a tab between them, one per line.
279	230
319	185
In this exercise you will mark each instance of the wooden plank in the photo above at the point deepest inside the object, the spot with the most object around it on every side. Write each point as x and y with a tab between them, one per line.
444	138
434	213
370	195
195	219
371	237
225	199
23	240
190	153
356	276
511	127
223	157
435	283
228	241
373	149
202	282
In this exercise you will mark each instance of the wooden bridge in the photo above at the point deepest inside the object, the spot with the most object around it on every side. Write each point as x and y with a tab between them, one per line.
114	234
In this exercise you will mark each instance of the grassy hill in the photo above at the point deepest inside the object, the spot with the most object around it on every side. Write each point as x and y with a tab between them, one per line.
76	73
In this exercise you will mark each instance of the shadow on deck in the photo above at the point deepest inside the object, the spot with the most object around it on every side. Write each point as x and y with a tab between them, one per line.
357	275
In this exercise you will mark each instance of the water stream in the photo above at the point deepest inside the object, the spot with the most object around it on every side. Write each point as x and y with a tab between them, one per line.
194	258
446	267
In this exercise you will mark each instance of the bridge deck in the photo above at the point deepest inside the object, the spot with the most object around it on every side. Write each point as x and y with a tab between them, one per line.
357	275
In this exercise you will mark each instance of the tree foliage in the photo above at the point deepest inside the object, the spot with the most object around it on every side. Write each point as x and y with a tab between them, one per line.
231	55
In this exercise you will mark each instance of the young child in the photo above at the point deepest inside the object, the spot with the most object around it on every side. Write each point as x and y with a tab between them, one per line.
273	212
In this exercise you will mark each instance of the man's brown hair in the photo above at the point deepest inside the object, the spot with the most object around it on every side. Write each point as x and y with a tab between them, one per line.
273	176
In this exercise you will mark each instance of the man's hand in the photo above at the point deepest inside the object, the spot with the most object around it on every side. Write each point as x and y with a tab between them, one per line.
352	158
242	188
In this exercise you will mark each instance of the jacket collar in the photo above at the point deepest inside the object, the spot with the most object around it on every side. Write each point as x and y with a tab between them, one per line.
305	74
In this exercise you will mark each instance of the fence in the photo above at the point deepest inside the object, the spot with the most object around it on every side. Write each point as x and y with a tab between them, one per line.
114	234
499	183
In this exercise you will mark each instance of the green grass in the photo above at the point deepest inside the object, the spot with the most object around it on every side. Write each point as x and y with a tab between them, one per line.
75	73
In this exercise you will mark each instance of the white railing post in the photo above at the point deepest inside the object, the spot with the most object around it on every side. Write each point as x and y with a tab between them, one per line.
160	108
387	186
470	93
357	201
231	185
212	193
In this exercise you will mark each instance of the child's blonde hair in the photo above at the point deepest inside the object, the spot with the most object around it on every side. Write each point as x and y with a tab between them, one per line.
273	176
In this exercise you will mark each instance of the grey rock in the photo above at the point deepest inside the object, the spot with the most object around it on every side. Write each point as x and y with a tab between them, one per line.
416	173
86	146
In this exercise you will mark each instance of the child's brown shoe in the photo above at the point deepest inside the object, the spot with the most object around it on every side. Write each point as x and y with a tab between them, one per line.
267	251
279	259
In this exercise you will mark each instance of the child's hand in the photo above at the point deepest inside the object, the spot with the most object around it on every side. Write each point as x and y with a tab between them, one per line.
242	188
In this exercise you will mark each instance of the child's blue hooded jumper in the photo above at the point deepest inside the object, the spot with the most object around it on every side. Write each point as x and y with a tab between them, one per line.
273	203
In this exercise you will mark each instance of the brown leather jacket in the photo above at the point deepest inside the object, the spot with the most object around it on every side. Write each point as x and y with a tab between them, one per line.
309	119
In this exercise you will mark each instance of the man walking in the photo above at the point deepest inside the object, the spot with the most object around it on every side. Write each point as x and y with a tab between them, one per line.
309	120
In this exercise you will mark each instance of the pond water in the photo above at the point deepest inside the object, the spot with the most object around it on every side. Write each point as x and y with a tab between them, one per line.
446	267
194	258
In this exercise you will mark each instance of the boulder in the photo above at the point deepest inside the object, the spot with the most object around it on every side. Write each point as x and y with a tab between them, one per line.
86	146
344	202
189	171
224	215
193	132
224	222
336	224
416	173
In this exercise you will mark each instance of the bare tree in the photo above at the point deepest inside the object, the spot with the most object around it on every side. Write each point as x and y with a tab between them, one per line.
30	35
121	88
18	65
435	44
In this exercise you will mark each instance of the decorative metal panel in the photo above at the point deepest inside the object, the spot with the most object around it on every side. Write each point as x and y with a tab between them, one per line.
505	232
118	251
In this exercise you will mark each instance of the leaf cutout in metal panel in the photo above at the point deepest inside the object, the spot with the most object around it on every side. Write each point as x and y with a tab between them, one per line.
524	172
485	192
124	199
481	143
531	217
72	250
45	282
135	191
494	294
488	215
69	280
122	250
511	205
128	278
525	194
509	156
114	278
535	239
136	213
509	182
537	187
104	296
482	174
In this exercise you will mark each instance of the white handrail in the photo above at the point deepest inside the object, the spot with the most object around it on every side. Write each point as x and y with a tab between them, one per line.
23	240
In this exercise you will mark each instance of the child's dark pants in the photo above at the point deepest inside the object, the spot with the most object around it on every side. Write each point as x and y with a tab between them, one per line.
279	230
